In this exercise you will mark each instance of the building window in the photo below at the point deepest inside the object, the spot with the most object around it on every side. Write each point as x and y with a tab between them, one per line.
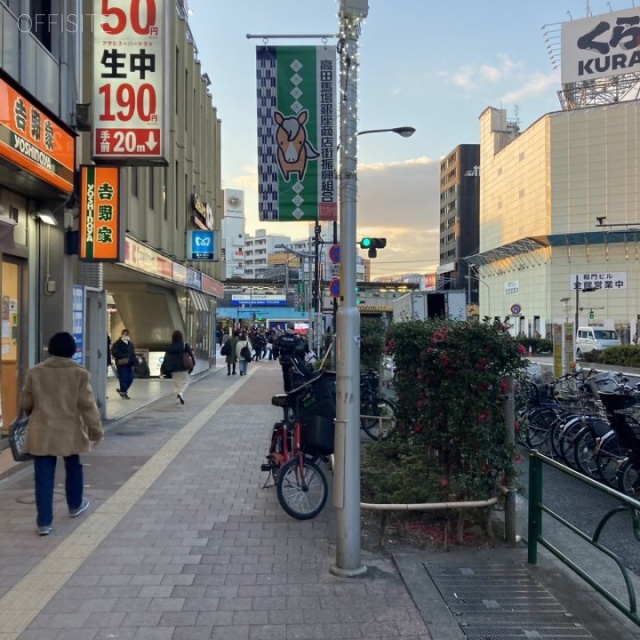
134	181
177	79
41	24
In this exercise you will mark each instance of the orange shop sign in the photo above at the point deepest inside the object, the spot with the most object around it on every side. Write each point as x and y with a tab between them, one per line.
101	232
32	140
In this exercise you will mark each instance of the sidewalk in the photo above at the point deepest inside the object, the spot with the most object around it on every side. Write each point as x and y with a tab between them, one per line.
183	542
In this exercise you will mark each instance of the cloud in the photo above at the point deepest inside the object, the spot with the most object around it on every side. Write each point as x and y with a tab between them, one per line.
471	77
538	85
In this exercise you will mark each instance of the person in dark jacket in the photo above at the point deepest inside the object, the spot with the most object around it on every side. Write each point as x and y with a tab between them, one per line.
231	357
288	347
124	355
173	364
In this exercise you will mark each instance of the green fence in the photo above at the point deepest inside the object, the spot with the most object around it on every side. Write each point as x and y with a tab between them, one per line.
537	507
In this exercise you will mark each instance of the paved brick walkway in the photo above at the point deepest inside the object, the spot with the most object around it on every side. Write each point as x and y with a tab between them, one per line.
183	542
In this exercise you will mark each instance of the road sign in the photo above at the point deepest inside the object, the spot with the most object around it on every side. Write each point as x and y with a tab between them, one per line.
334	288
334	270
334	253
516	309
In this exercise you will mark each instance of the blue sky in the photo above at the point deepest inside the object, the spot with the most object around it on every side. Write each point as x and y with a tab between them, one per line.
428	64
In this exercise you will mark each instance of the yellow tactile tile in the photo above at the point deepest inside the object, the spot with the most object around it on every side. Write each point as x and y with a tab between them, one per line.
20	605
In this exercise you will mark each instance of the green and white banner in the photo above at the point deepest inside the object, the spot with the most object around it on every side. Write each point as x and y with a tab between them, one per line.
297	119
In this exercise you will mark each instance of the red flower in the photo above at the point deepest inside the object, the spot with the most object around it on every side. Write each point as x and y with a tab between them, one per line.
484	416
518	458
444	483
418	428
522	349
504	385
420	404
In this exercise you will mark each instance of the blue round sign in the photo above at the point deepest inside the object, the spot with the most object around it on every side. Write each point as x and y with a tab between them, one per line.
334	288
334	253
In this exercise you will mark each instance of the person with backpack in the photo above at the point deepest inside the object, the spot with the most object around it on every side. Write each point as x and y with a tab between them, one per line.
228	350
287	348
178	362
243	352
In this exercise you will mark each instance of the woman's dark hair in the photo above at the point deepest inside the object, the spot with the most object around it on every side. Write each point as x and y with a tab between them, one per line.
62	345
176	336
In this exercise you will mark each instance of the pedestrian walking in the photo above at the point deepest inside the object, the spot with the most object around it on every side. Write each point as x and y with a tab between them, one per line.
243	353
64	422
289	347
231	357
124	354
175	364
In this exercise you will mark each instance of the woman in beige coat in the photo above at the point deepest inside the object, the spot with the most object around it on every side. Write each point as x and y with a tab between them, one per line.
64	422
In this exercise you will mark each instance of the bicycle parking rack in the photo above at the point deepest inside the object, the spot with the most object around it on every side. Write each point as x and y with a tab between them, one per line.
535	537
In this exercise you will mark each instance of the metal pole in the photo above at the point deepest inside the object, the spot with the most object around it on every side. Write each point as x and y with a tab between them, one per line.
575	328
510	439
346	490
309	300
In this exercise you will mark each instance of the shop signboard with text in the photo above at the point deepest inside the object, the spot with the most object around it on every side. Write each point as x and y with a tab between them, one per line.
101	228
130	67
32	140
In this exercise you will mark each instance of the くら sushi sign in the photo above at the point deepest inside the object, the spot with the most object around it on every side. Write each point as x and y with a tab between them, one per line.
101	229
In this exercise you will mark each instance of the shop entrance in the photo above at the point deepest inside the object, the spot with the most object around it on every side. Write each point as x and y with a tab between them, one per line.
12	326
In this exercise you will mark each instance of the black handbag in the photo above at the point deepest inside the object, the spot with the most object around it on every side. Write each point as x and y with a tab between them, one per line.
18	436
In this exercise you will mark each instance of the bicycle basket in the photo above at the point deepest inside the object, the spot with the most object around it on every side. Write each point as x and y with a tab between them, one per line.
616	401
318	433
317	398
605	381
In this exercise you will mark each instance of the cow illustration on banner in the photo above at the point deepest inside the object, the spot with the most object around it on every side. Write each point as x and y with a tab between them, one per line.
296	89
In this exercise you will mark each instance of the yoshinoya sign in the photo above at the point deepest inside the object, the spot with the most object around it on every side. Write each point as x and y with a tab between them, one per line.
101	228
604	45
130	65
34	141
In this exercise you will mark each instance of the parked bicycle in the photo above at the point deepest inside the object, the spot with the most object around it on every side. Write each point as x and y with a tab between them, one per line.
304	436
377	414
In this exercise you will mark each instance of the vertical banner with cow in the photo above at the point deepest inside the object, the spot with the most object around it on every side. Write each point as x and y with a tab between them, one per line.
297	133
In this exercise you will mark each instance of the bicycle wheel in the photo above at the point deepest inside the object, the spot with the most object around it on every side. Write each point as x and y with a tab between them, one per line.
374	428
537	428
609	458
567	439
629	478
301	488
585	452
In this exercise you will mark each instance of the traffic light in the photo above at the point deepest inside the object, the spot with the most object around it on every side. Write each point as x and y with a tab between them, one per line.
373	244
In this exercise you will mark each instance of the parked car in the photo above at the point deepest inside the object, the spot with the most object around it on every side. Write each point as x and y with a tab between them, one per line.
590	338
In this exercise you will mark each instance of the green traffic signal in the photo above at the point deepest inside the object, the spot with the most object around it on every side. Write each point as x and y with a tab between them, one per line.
373	244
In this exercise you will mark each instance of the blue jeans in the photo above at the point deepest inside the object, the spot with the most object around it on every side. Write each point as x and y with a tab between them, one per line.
44	474
243	366
125	378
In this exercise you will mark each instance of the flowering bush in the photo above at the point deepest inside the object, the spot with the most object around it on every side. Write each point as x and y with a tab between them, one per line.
449	383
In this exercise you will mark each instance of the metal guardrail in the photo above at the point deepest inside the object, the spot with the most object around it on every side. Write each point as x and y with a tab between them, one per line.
535	537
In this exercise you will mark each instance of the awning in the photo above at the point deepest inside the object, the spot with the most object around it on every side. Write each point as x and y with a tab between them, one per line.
529	245
198	301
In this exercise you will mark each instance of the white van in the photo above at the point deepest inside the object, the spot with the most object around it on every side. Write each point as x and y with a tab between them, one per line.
590	338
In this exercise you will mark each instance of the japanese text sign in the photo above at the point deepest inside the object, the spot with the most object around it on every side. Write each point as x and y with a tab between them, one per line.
130	42
599	46
33	141
297	133
599	281
101	229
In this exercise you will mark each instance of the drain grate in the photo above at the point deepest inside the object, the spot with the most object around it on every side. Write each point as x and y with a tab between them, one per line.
502	602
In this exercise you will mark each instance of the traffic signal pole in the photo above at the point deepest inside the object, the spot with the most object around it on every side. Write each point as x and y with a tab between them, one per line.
346	487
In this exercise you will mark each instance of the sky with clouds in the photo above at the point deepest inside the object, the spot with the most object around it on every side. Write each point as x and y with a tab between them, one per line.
428	64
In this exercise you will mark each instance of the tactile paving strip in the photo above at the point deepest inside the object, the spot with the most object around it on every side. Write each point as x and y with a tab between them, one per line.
502	602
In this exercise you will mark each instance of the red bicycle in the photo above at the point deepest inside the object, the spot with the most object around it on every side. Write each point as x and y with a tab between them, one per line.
297	444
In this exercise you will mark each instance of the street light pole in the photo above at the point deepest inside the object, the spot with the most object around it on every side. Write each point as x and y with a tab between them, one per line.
346	489
405	132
